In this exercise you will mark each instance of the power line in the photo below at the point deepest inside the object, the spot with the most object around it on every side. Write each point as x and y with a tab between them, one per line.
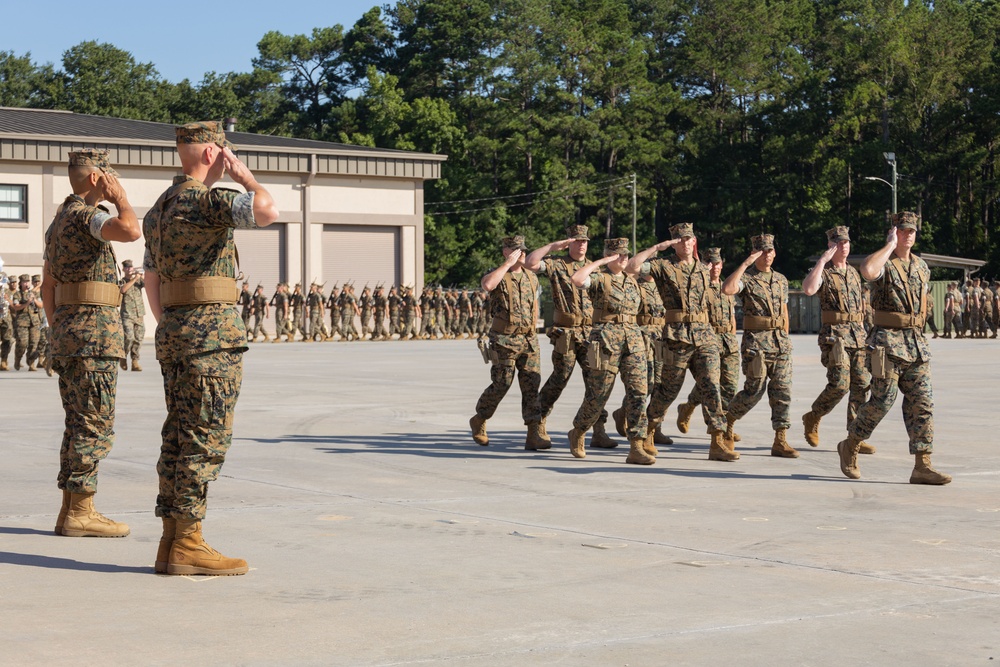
529	194
586	189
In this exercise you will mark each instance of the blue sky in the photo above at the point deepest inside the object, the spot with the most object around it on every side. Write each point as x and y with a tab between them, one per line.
182	45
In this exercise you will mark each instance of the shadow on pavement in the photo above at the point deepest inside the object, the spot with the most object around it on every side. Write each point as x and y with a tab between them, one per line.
34	560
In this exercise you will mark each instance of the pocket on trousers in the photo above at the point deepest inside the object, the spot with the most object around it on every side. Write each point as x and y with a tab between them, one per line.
882	366
756	367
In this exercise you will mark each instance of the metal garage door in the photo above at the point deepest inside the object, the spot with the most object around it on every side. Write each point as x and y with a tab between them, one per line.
360	254
262	259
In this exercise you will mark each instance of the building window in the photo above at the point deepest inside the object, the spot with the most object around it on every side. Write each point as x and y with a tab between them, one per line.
13	203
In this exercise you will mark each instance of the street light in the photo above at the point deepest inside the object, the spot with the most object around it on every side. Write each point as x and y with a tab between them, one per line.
891	159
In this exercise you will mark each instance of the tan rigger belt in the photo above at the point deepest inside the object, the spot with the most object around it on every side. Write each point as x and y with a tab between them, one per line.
677	316
883	318
724	328
88	293
505	328
561	319
650	321
837	317
198	291
601	317
760	323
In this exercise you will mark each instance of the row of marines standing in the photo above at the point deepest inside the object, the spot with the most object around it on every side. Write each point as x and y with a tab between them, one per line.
652	320
449	314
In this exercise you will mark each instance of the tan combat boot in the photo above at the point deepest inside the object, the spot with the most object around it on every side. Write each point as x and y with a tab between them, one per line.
82	520
576	443
542	431
848	450
123	362
649	442
600	439
135	366
190	554
729	437
781	448
3	365
61	518
923	473
684	412
535	441
638	454
166	542
478	426
718	449
866	448
810	421
31	366
659	438
621	425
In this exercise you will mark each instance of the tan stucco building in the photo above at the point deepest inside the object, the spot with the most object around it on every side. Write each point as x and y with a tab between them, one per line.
346	212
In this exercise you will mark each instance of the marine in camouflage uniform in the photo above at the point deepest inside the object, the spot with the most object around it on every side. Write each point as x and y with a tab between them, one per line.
314	304
297	301
282	325
573	313
616	346
410	311
6	325
380	309
688	340
26	309
333	305
722	317
842	335
82	300
44	332
133	313
899	357
348	310
463	306
953	311
766	347
258	307
394	303
244	302
190	265
367	309
513	344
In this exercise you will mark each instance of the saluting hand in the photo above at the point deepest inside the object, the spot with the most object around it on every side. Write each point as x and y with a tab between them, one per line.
828	255
111	188
890	238
669	243
236	170
752	258
513	257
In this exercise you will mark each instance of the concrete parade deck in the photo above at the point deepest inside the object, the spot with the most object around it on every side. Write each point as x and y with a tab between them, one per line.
378	533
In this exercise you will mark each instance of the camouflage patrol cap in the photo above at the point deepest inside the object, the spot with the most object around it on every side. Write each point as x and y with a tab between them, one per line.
24	278
616	246
203	132
905	220
762	242
838	233
681	230
37	278
713	255
578	233
514	243
92	157
127	263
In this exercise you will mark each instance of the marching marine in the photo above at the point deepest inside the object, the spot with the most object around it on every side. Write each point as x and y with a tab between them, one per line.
899	357
133	313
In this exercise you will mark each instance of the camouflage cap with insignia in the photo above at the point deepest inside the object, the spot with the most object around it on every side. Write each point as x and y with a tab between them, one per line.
681	230
24	278
616	246
578	233
905	220
514	243
713	255
204	132
838	233
762	242
92	157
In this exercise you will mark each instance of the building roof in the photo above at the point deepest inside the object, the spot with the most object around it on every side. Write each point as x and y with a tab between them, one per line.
47	136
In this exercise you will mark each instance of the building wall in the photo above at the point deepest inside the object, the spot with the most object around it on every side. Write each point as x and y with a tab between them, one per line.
307	205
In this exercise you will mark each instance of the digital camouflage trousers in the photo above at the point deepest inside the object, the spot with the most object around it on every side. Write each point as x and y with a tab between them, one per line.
87	387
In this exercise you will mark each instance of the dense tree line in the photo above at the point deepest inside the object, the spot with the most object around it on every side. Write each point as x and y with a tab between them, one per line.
738	115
